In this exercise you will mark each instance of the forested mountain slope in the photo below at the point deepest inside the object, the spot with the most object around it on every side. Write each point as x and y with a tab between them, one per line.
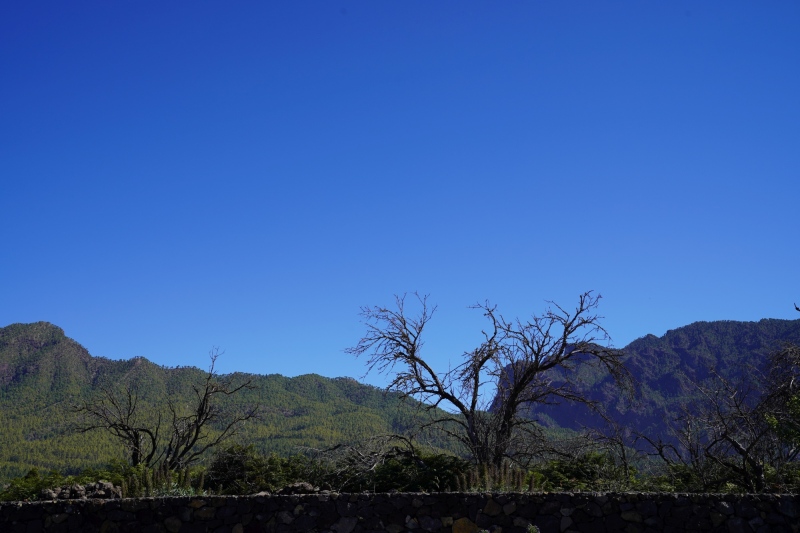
44	373
666	368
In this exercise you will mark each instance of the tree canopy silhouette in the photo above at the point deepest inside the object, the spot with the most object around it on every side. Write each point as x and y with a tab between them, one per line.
513	367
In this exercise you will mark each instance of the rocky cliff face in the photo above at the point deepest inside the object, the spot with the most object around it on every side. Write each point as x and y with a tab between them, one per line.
665	368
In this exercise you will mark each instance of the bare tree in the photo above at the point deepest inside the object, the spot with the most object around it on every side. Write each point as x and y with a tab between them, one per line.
511	369
189	436
148	439
349	464
783	406
619	444
737	435
743	431
731	433
119	414
682	451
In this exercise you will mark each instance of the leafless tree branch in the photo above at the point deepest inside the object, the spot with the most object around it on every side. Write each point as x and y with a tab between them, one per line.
188	432
513	366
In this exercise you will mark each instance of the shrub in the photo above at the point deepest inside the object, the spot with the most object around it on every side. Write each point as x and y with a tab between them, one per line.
243	470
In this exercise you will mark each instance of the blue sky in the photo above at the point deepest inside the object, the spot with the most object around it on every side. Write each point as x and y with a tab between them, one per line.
182	175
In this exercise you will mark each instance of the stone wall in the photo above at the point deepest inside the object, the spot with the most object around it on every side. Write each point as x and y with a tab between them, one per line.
417	513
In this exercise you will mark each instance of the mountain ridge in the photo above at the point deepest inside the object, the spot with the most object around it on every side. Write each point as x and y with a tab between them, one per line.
45	373
665	368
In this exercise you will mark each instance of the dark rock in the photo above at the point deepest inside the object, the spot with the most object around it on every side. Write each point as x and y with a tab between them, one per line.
746	510
738	525
594	509
592	527
788	507
395	513
682	501
430	524
647	508
548	524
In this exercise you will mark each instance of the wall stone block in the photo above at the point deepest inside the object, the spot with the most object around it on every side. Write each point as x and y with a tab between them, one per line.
417	513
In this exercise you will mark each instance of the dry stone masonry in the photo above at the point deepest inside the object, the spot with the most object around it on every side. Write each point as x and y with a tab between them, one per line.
410	512
101	489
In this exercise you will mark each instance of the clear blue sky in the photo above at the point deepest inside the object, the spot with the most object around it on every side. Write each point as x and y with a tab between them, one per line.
182	175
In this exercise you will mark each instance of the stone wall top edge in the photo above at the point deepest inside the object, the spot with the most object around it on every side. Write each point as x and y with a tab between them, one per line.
378	495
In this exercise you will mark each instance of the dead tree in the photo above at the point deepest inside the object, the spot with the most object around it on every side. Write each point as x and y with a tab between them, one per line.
731	433
784	395
347	465
119	414
738	440
683	452
189	437
619	444
172	438
743	431
510	370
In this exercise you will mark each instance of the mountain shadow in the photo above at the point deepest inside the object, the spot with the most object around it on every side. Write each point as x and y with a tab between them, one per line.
664	371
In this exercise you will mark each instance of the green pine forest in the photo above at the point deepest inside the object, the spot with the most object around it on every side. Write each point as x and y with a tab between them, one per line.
44	374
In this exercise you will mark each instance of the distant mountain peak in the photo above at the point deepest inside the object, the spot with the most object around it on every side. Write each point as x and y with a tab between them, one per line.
665	366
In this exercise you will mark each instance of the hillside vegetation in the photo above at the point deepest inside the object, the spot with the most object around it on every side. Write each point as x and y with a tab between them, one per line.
44	374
